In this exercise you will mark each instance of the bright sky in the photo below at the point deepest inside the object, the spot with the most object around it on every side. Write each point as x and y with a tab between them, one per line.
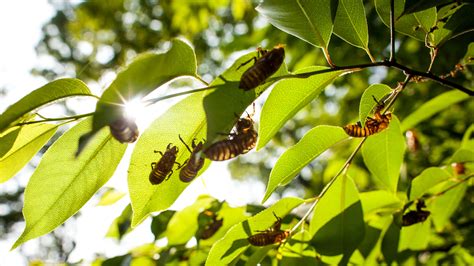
20	28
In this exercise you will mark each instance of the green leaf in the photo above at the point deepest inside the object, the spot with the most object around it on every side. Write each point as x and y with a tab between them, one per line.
390	242
412	6
235	242
338	225
469	57
426	180
287	98
62	184
442	207
227	101
146	73
351	23
367	102
311	21
313	143
199	115
383	154
230	216
415	25
432	107
461	22
110	197
160	223
183	225
49	93
121	225
19	144
415	237
462	155
377	200
186	118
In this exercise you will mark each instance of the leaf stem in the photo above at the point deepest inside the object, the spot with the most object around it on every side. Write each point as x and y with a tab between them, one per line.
328	57
451	187
392	31
75	117
328	185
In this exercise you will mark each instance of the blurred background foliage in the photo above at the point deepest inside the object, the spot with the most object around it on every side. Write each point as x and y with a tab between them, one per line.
89	39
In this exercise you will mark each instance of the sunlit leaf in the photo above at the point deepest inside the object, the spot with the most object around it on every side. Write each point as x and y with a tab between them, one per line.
311	21
145	197
367	102
461	22
426	180
183	224
287	98
412	6
378	200
383	154
224	104
462	155
204	115
121	225
110	197
443	206
51	92
235	242
230	217
62	184
351	23
415	237
338	225
143	75
415	25
432	107
315	142
19	144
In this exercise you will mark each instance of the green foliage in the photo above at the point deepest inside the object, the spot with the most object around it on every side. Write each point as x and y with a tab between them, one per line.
62	184
53	91
146	73
315	142
235	240
337	225
383	155
351	23
416	25
145	197
432	107
367	102
305	111
19	144
110	196
311	21
287	98
426	180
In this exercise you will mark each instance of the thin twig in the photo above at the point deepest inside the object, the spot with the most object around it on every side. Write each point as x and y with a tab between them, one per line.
328	185
392	31
451	187
397	91
55	119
